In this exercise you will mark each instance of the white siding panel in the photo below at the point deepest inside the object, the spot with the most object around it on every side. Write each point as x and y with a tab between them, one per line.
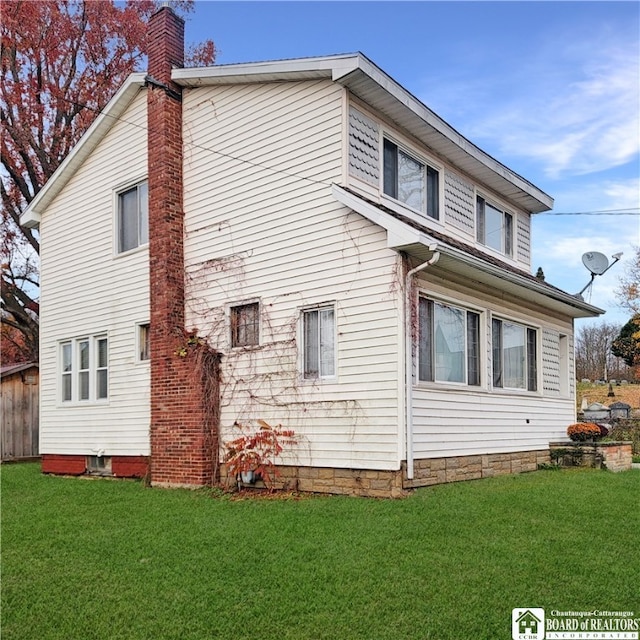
86	290
455	421
262	224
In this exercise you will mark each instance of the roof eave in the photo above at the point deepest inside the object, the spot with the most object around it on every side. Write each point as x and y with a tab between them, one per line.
367	81
402	237
375	87
31	216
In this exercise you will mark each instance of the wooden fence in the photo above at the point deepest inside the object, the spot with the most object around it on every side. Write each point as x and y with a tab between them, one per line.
20	412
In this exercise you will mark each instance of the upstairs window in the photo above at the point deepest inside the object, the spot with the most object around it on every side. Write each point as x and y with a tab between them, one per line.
494	227
319	344
133	217
515	358
245	325
410	181
84	369
449	343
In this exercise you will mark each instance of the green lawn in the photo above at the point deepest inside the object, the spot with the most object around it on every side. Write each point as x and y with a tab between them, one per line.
107	559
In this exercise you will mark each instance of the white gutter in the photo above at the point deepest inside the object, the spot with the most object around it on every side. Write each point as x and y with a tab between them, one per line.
408	355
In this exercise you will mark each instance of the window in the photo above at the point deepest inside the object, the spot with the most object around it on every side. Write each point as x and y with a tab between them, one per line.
494	227
144	342
319	342
514	356
245	325
410	181
133	217
84	370
449	343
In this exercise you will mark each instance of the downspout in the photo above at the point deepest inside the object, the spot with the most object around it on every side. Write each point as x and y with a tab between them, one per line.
408	355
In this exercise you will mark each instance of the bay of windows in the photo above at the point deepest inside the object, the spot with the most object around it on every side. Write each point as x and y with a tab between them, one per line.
84	371
410	181
449	348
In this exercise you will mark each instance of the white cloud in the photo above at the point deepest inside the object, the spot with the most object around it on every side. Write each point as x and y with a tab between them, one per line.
573	108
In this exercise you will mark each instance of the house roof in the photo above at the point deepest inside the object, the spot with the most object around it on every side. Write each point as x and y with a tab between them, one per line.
405	234
10	369
355	72
30	217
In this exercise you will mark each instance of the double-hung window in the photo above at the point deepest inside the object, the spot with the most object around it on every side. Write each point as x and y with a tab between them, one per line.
319	343
494	227
410	180
515	359
133	217
449	343
84	369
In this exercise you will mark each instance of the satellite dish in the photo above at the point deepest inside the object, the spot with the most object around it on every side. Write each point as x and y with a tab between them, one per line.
597	263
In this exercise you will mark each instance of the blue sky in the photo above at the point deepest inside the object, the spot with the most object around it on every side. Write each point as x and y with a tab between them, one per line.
551	89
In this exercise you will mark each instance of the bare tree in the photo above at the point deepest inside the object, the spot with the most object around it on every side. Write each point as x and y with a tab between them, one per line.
594	359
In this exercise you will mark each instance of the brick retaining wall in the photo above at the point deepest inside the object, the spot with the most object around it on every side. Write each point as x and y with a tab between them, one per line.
614	456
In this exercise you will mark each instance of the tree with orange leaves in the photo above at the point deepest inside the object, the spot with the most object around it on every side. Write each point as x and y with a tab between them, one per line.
61	62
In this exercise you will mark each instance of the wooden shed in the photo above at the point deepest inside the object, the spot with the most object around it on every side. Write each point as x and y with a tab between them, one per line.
20	411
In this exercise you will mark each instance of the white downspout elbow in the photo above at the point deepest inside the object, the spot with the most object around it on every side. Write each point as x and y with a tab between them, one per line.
408	356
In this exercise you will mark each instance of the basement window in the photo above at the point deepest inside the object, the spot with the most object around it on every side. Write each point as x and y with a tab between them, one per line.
99	465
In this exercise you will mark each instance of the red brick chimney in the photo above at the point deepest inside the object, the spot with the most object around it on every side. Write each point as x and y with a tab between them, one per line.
183	441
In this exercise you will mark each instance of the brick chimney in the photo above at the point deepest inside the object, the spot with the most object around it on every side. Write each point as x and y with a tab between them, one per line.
183	441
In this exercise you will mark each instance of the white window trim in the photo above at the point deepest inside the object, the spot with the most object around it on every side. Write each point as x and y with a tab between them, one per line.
398	205
138	340
121	188
301	341
482	342
504	209
75	400
494	315
229	329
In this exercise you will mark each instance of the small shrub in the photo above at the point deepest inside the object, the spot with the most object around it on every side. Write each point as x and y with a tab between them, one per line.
583	431
256	449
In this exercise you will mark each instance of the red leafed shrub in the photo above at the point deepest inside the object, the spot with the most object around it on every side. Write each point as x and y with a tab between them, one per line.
256	449
582	431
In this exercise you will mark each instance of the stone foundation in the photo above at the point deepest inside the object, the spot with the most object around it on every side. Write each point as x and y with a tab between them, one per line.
614	456
430	471
394	484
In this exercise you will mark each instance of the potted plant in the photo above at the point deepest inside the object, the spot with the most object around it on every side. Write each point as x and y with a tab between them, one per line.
252	454
586	431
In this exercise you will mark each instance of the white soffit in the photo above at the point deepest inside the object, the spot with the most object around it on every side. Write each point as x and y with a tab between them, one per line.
30	217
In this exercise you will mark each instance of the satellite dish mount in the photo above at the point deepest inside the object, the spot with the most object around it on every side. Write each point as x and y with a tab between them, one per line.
597	264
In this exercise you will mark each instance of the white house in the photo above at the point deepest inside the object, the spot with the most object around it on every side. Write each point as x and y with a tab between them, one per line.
360	271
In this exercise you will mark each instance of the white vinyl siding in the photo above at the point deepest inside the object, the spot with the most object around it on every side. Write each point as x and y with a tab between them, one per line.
261	222
88	288
467	421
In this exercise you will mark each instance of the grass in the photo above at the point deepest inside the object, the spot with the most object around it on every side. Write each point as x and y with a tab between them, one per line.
96	559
